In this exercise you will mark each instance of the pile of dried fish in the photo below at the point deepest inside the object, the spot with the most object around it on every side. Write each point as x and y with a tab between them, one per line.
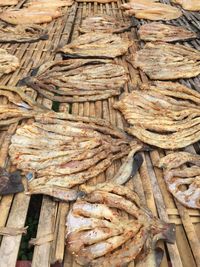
191	5
63	150
79	80
96	45
22	33
151	9
108	217
183	183
165	115
18	105
172	61
8	62
103	23
157	31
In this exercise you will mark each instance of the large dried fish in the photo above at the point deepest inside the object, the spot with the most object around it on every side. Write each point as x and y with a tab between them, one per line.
28	16
183	181
152	10
165	115
63	151
79	80
191	5
108	217
157	31
18	105
8	62
93	45
22	33
172	61
103	23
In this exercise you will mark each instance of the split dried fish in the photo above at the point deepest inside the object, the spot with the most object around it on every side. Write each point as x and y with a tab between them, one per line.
152	10
173	61
63	150
79	80
22	33
163	114
28	16
107	217
103	23
92	45
183	181
157	31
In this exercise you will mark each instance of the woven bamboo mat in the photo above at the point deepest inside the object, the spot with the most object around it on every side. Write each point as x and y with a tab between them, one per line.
148	183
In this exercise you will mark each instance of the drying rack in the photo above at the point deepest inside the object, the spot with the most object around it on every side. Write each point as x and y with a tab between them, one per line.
148	183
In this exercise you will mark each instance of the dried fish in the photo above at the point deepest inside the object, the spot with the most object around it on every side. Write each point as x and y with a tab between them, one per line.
22	33
183	182
163	114
92	45
63	150
157	31
97	227
103	23
28	16
173	61
79	80
152	10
